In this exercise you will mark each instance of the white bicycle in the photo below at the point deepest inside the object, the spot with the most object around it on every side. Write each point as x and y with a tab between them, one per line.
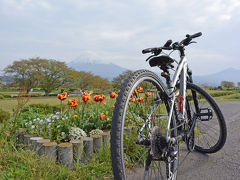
150	120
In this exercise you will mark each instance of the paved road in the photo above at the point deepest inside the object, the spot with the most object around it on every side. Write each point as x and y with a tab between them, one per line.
223	165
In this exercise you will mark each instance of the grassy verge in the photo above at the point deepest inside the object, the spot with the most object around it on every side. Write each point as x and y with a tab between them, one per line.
231	97
17	163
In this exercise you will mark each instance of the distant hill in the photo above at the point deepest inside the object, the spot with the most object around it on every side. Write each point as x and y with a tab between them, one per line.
215	79
108	71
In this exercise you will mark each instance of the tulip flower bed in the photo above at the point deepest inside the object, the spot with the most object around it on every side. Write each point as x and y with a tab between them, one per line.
88	113
78	122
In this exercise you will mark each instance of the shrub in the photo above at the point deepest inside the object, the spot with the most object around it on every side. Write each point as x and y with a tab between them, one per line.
4	116
7	96
53	94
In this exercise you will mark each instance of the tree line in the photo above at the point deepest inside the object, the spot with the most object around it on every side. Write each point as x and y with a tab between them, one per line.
229	84
50	74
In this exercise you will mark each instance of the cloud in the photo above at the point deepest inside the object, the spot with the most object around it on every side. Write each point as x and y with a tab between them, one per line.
14	7
115	31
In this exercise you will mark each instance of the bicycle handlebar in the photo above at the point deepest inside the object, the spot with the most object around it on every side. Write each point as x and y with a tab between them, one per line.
189	38
168	43
184	42
156	50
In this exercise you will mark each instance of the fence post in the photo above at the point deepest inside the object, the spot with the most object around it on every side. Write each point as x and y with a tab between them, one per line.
97	142
27	139
88	148
106	138
33	141
65	154
77	150
20	136
50	150
40	148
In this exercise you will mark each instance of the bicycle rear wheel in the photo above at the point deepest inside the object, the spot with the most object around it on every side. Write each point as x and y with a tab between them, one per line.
142	98
210	128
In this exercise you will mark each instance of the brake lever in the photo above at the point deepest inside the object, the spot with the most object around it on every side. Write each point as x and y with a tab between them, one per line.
192	42
150	57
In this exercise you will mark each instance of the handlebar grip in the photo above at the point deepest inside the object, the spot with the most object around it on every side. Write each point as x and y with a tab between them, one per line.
168	43
196	35
148	50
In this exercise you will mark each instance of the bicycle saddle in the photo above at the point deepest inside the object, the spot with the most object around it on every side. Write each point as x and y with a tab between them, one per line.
161	61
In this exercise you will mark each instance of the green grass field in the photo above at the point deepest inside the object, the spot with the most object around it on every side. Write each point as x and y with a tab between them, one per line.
8	104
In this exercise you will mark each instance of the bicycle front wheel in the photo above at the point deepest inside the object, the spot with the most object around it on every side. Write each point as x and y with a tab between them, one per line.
210	128
141	106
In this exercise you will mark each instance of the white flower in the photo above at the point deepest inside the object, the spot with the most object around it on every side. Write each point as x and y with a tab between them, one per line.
63	119
41	121
95	132
32	126
30	122
76	133
57	112
38	119
58	126
62	133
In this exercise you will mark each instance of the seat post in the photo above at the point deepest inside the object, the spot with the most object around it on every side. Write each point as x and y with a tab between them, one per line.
166	75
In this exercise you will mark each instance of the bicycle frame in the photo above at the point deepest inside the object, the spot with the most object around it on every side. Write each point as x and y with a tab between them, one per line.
182	72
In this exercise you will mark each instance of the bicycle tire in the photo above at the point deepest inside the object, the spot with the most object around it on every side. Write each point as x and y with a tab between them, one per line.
211	132
120	162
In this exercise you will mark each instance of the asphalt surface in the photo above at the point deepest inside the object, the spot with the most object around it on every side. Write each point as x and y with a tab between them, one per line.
223	165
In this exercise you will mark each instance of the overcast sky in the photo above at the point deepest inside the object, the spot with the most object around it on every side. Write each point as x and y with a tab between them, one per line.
115	31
